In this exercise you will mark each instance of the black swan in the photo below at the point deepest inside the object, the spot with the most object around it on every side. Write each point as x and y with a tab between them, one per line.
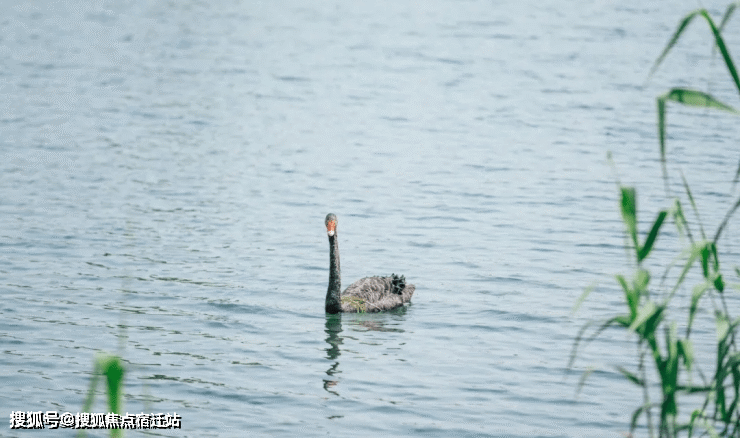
370	294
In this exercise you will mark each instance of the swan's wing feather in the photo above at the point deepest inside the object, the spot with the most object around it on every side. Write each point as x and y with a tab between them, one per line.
375	294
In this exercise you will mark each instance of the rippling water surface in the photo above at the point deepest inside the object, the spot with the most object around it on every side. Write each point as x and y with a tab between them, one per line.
167	166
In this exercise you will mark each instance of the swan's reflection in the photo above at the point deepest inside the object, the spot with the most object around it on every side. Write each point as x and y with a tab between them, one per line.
333	327
383	322
360	322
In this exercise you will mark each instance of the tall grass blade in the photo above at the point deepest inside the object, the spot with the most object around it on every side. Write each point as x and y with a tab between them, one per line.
582	380
90	398
674	39
112	368
576	343
679	218
686	351
645	249
635	417
669	374
722	48
631	296
693	205
694	389
582	298
728	13
719	283
642	278
719	41
631	376
696	295
697	98
661	139
621	320
695	253
733	364
705	254
725	220
723	327
686	97
724	330
646	312
694	415
629	213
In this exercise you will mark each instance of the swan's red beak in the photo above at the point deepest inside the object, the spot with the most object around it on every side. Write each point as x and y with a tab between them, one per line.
331	227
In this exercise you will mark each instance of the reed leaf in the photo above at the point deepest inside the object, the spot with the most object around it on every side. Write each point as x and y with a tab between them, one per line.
696	295
669	372
648	315
112	368
621	320
719	41
674	39
586	292
645	249
630	295
679	219
733	364
691	389
725	220
632	377
582	380
629	213
705	253
661	139
90	398
719	283
687	189
636	416
686	97
696	414
722	48
642	278
577	342
697	98
724	330
728	13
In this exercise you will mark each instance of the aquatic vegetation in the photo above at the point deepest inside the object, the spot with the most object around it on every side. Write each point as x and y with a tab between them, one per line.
691	97
112	368
665	345
356	303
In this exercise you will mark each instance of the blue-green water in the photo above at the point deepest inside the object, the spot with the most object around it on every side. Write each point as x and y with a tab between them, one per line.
167	166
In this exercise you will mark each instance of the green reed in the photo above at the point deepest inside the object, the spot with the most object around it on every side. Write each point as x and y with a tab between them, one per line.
661	346
112	368
690	97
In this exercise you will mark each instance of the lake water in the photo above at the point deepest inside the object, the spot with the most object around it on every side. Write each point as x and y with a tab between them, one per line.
167	167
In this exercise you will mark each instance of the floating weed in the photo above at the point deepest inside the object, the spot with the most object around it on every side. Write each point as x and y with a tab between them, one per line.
356	303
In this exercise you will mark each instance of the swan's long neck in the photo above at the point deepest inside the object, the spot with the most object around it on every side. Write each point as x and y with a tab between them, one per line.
333	299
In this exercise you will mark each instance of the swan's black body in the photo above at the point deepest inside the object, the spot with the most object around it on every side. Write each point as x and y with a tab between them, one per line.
370	294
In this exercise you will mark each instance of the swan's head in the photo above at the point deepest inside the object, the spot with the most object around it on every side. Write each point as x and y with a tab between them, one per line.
331	224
